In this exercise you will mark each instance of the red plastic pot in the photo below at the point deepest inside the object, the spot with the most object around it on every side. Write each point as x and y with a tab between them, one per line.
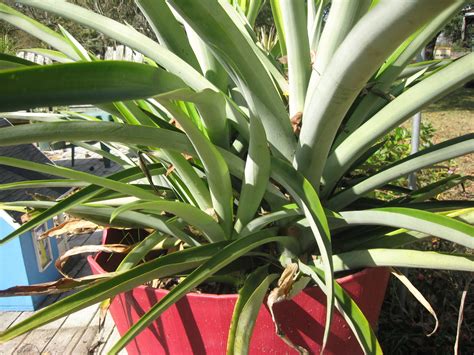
199	323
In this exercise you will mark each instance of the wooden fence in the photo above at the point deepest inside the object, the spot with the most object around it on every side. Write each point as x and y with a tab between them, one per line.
35	58
111	53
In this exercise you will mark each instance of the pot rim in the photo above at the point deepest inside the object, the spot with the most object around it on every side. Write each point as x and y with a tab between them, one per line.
342	281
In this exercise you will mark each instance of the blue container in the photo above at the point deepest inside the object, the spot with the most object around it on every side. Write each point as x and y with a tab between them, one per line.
25	261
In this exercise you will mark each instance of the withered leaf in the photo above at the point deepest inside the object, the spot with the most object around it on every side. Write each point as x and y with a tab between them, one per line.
59	286
71	226
107	248
280	293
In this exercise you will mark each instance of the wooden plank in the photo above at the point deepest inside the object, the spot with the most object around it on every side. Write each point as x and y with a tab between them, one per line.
138	57
7	318
38	339
128	54
39	59
10	346
109	53
113	339
30	56
118	53
71	331
89	338
104	334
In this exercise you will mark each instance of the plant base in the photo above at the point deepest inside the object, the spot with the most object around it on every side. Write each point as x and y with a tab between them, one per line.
199	323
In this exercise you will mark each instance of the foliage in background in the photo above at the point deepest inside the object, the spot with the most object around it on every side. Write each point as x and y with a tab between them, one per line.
7	45
397	146
453	28
121	10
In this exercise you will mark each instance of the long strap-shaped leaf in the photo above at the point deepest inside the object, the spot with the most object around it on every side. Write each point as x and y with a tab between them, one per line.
417	220
75	199
315	23
210	66
127	36
217	171
170	264
190	178
120	133
138	253
257	173
268	62
305	195
82	176
394	66
278	18
94	83
192	215
436	188
437	153
230	253
212	109
299	60
11	62
97	131
381	238
251	297
167	29
351	312
396	112
289	211
51	54
37	29
101	216
403	258
368	44
343	15
33	184
105	154
212	23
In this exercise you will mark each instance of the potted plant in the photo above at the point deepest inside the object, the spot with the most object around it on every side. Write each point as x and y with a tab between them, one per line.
247	173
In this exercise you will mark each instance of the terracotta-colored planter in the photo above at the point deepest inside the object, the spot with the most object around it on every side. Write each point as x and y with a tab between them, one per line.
199	323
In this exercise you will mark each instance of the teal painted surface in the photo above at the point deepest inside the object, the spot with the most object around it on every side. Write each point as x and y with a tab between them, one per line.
12	271
18	266
31	265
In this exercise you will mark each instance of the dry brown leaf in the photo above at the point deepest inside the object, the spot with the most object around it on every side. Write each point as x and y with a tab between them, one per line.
212	212
58	286
103	308
25	217
296	122
313	56
71	226
281	293
169	170
107	248
285	283
283	60
176	124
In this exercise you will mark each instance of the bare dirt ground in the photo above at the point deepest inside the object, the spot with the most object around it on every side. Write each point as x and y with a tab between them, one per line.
452	117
